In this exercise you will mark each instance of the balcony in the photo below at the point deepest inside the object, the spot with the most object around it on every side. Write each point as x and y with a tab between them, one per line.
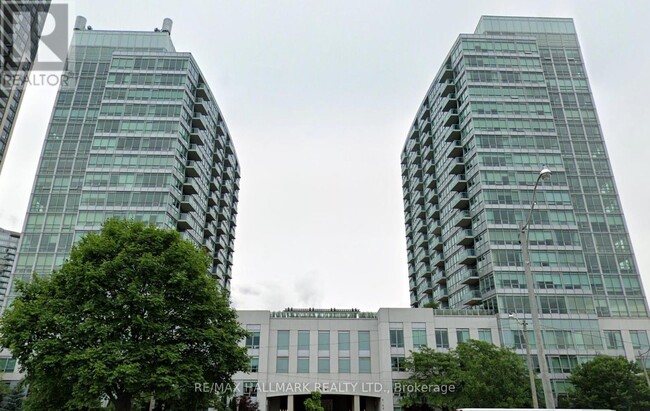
184	222
432	196
427	153
429	166
189	186
420	240
222	228
441	294
437	229
197	136
412	285
438	260
472	298
468	256
425	287
214	186
425	126
463	219
211	214
433	211
439	277
201	105
209	229
459	183
192	169
466	237
447	73
460	200
469	276
188	203
453	133
202	91
438	245
447	87
450	118
457	166
194	152
455	149
449	102
430	181
218	156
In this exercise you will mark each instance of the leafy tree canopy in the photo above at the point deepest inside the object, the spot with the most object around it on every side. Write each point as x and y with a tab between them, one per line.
132	314
313	403
609	383
481	374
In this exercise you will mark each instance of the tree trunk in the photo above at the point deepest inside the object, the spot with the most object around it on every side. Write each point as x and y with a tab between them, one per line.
123	402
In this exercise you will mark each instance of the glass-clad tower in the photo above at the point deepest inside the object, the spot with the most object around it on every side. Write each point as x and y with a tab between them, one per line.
139	135
21	23
509	100
8	246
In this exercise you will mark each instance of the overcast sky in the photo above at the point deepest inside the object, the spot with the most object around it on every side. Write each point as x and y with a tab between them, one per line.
319	96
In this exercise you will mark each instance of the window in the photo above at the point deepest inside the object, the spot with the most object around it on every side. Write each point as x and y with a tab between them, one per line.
7	364
397	363
364	365
344	340
419	338
364	340
282	365
324	365
303	365
250	388
485	335
303	340
462	335
323	340
442	338
344	365
283	340
255	364
397	338
253	337
614	340
639	340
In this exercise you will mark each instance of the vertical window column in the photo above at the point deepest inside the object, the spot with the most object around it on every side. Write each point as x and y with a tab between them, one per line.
344	352
324	352
364	352
282	355
303	351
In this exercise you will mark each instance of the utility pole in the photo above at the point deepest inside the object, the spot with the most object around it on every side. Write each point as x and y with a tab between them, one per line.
529	361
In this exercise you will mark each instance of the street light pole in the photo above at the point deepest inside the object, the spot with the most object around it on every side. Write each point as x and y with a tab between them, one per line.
529	361
541	355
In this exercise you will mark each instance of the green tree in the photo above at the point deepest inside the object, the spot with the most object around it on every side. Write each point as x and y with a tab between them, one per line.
431	304
482	374
132	313
13	400
313	403
609	382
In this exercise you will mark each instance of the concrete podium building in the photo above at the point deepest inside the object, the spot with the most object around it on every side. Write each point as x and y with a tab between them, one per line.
356	358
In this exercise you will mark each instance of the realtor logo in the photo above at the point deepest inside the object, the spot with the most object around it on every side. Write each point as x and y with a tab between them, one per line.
47	52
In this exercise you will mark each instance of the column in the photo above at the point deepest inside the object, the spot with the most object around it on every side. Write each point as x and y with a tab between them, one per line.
357	404
289	402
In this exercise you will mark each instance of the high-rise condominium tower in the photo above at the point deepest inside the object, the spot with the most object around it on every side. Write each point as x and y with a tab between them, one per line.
21	23
8	246
139	136
508	101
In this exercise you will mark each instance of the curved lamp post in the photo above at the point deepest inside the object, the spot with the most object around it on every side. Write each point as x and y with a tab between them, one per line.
541	355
